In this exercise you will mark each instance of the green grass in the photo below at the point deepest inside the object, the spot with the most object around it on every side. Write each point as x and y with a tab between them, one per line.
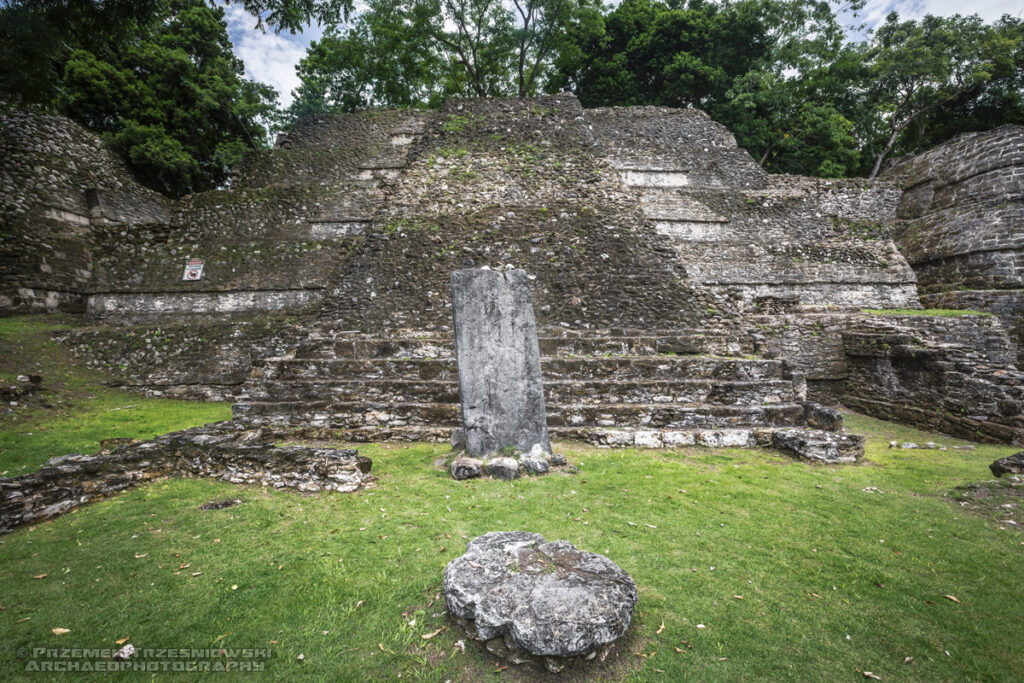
833	579
934	312
74	411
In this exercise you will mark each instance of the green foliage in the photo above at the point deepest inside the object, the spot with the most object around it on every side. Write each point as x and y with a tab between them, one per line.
168	94
916	67
455	123
998	101
413	53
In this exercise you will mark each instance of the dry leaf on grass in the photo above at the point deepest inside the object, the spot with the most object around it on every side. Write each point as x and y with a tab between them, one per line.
951	597
661	628
428	636
39	576
60	631
124	640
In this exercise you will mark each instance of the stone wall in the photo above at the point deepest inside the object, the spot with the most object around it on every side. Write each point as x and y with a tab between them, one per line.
220	451
57	181
736	229
954	375
494	182
963	207
191	360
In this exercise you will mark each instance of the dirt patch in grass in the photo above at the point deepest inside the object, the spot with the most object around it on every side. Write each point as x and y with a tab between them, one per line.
999	500
624	657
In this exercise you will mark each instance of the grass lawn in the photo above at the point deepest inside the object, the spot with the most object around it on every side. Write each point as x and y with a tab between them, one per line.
794	571
74	412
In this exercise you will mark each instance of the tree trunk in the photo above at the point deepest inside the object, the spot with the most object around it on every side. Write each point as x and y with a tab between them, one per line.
885	151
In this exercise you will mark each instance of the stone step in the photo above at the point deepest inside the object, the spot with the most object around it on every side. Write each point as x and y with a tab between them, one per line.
686	391
349	415
579	369
796	262
829	447
673	205
598	436
699	343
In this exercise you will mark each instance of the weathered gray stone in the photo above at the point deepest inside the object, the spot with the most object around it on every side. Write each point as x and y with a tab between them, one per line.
543	599
498	361
503	468
556	460
823	417
458	439
218	451
535	461
1013	464
466	468
828	447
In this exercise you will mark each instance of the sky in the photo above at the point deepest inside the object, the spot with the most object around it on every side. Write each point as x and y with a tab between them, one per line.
271	58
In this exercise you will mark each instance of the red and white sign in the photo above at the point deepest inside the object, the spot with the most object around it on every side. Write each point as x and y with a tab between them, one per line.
193	269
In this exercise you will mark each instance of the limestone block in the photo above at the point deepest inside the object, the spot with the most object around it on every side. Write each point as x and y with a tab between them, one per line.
498	361
545	599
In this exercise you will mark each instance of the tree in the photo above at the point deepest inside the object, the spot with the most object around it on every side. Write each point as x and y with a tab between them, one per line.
418	52
384	57
172	101
998	101
920	66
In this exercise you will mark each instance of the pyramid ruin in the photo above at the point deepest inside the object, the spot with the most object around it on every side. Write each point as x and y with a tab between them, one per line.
682	294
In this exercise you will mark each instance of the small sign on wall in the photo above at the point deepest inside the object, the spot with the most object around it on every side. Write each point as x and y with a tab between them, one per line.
193	269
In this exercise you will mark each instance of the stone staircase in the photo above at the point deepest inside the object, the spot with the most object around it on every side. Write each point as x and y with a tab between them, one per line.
772	241
610	387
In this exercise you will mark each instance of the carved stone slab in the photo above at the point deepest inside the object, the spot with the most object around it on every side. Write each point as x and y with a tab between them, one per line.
499	361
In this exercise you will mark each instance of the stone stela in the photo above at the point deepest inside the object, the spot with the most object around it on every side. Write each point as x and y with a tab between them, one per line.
498	361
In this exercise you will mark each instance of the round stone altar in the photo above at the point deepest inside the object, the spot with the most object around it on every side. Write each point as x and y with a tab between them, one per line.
536	601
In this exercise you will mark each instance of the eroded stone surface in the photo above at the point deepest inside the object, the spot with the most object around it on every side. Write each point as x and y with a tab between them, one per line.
535	461
1013	464
498	361
813	444
219	451
465	467
504	468
543	599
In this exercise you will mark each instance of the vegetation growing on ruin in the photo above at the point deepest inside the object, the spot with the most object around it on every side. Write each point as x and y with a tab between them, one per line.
74	411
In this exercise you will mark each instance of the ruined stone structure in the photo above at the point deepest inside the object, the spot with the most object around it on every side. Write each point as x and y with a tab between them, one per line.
217	451
682	295
963	206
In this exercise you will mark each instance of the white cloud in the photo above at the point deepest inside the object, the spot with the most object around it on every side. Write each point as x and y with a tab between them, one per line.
875	11
269	57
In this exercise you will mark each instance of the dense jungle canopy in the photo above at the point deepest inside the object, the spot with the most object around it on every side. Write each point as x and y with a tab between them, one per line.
802	93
